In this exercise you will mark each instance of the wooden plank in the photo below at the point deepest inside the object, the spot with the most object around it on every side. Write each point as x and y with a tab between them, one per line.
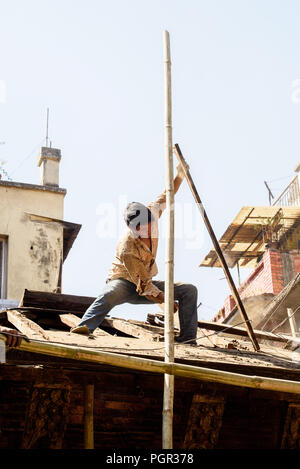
56	301
235	330
26	326
130	329
204	422
89	416
149	327
72	321
47	311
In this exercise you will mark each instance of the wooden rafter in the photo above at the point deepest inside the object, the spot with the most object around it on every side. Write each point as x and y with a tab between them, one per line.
72	321
26	326
130	329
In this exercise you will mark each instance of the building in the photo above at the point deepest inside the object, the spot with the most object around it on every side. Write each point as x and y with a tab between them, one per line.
266	239
34	238
60	390
63	390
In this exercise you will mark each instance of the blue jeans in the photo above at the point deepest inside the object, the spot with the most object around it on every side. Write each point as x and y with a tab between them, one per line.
119	291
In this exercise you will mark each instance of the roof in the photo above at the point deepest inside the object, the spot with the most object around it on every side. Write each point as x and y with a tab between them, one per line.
246	237
33	187
45	323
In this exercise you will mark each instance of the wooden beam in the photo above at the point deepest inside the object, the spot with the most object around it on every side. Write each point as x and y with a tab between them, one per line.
26	326
72	321
89	416
235	330
204	422
130	329
217	247
149	327
154	366
60	301
292	320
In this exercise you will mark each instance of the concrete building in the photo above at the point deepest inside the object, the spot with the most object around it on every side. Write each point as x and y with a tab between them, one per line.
34	238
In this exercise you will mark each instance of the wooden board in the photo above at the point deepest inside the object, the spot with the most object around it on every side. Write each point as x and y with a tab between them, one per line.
235	330
56	301
26	326
131	329
72	321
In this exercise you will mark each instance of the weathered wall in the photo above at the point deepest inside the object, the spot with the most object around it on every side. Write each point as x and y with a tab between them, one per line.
34	247
130	416
275	270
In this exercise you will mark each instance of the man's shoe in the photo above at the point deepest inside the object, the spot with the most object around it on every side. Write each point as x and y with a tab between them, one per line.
84	330
185	341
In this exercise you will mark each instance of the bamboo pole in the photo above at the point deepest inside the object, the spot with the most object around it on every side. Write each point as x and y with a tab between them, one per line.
167	424
218	249
89	416
154	366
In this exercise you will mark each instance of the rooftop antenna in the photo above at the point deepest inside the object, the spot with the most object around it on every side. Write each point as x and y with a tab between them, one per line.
47	127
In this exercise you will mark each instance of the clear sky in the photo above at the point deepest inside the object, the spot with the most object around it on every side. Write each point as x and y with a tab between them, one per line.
98	66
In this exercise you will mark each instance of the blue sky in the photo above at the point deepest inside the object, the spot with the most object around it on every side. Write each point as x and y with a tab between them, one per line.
98	66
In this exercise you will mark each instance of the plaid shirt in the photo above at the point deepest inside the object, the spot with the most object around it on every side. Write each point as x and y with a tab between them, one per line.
134	261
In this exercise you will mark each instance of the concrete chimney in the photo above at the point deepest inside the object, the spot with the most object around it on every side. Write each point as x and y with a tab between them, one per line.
49	159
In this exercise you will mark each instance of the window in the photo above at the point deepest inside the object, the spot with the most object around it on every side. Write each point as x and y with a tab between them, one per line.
3	267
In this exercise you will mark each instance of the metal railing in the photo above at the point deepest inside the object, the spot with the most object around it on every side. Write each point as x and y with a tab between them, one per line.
291	195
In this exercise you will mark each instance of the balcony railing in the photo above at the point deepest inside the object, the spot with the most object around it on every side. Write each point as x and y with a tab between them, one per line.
290	196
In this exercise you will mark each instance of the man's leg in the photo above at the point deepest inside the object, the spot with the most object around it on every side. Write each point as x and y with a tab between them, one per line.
186	294
115	292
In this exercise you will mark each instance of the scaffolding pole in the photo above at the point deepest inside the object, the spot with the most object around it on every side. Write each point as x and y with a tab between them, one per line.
167	423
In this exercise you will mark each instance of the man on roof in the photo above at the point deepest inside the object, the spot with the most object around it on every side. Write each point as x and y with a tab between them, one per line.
130	279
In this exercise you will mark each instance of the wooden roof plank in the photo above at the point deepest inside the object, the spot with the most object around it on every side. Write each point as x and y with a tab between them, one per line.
26	326
72	321
131	329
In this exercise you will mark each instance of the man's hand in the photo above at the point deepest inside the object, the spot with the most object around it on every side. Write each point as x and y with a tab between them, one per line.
13	337
161	299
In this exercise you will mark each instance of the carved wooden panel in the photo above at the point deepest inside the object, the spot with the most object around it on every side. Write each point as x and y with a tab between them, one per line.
291	433
204	422
46	417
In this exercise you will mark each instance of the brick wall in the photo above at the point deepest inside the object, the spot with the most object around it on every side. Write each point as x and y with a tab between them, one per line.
271	275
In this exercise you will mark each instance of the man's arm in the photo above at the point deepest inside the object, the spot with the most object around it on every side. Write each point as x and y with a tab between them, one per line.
177	183
159	205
